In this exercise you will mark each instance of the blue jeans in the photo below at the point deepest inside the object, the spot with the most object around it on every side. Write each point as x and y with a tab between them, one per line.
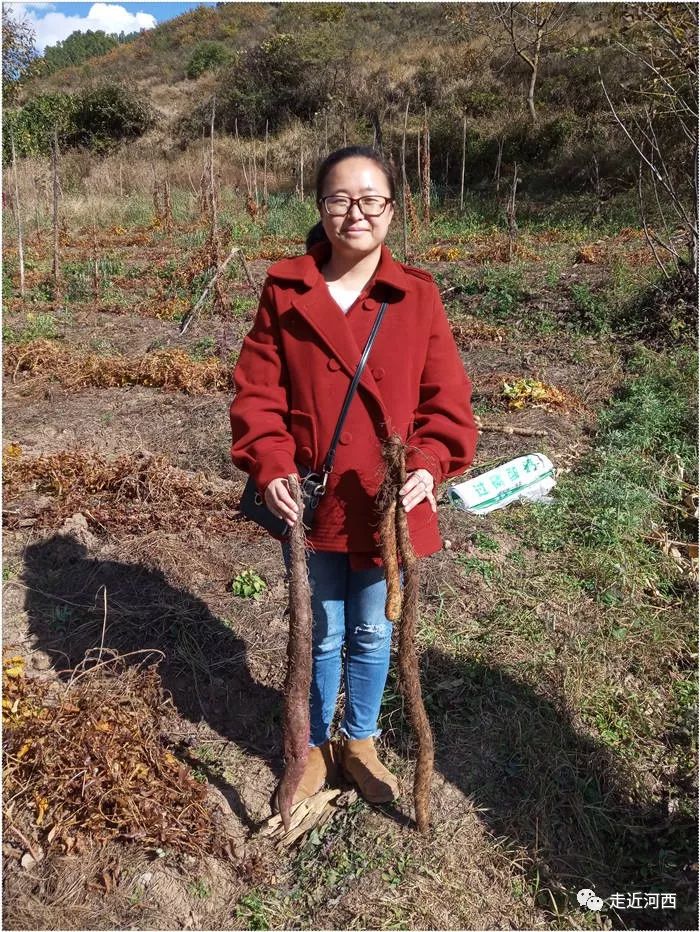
348	612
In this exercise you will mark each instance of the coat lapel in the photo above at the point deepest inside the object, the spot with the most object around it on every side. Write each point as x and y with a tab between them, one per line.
334	329
317	307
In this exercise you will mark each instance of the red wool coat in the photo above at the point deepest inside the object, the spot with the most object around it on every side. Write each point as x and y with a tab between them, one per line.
295	366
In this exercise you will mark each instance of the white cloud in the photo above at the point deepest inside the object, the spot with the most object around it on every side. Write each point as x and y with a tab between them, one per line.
55	26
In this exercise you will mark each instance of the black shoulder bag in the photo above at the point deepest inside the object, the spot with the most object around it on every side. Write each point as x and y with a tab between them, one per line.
313	484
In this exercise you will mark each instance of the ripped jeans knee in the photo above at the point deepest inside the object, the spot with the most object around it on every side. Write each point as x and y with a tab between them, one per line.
367	637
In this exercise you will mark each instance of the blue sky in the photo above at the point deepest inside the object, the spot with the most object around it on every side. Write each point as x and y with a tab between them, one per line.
53	22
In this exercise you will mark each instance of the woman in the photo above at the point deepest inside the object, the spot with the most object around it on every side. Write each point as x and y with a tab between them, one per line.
316	312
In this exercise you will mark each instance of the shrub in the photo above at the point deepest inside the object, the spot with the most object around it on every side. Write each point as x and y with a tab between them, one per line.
33	125
109	114
98	118
207	56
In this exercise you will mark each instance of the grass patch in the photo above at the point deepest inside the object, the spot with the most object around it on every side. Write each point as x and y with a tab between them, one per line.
634	481
36	327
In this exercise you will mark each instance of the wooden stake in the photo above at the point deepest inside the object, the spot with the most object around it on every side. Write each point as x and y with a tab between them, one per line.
18	214
418	171
95	269
255	169
404	184
301	171
212	191
37	212
265	195
464	162
499	159
248	188
251	281
425	173
510	213
56	265
189	317
167	205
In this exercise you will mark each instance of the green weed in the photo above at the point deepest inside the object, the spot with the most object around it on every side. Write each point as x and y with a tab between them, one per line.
253	909
36	327
199	889
485	542
249	585
628	485
593	312
241	305
203	349
477	565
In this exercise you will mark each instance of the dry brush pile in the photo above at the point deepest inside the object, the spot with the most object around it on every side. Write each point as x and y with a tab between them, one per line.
169	369
133	493
85	763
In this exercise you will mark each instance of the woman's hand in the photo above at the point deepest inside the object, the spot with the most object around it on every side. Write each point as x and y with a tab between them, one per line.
279	500
419	485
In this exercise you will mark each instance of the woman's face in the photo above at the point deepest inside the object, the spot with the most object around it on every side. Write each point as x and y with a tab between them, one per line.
356	233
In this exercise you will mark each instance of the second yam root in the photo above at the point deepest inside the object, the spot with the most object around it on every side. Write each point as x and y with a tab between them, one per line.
395	542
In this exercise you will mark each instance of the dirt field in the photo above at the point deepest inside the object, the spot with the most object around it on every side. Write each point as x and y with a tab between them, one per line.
530	802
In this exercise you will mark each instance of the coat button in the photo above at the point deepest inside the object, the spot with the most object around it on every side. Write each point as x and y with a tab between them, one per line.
345	437
378	373
306	453
333	365
369	305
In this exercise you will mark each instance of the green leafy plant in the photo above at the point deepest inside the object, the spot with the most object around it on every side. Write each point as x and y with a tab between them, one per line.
207	56
249	585
203	348
37	326
592	309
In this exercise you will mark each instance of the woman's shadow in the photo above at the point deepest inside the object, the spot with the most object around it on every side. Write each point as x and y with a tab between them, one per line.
565	797
203	663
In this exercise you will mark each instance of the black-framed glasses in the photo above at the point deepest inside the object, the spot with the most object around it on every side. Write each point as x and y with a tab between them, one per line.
371	205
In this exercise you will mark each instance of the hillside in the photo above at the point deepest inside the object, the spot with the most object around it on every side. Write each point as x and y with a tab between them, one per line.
346	71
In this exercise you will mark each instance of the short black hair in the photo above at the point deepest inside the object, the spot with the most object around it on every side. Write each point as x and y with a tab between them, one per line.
351	152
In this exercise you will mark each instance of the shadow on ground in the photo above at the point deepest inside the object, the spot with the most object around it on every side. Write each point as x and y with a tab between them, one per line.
568	800
204	666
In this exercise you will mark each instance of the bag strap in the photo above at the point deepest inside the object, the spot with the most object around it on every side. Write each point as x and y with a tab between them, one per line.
328	465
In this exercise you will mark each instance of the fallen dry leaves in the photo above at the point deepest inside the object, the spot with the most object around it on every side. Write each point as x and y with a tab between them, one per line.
86	762
170	369
132	493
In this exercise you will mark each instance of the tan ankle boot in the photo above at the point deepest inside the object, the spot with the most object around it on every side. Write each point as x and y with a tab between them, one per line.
321	767
361	765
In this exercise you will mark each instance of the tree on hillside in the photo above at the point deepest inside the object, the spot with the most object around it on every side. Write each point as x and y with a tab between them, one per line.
660	119
78	47
19	54
529	30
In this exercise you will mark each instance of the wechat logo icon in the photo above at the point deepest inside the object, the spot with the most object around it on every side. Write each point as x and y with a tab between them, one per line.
589	899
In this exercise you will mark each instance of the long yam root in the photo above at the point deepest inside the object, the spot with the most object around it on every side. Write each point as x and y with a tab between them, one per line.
387	538
409	677
296	727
